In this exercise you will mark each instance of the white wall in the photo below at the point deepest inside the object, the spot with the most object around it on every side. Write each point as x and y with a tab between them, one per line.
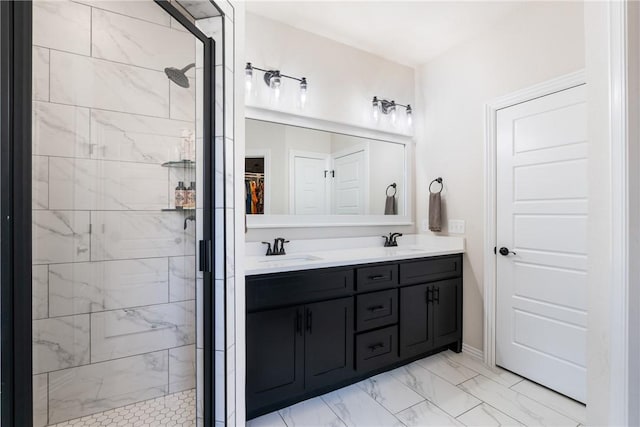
342	81
538	42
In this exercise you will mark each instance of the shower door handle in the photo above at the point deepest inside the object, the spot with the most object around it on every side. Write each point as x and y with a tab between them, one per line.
206	254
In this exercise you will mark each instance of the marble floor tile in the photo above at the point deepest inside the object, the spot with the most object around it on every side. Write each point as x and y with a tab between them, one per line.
270	420
486	416
516	405
560	403
496	374
447	368
312	412
448	397
357	408
426	414
390	392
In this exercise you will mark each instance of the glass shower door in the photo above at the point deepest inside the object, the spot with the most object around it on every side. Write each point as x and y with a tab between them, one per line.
118	166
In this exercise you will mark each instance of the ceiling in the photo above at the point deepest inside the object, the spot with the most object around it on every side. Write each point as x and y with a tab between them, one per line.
408	32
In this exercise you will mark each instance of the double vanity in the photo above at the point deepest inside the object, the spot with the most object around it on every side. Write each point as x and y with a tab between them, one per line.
332	312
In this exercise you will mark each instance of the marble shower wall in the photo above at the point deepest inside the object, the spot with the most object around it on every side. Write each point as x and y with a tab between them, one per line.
114	306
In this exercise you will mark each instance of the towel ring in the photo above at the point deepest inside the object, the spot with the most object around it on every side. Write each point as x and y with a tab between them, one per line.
395	189
439	181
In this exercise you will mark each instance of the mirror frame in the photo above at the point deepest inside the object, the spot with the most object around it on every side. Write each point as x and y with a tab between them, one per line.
304	221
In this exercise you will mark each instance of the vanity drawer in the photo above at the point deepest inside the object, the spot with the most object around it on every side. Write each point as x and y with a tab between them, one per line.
376	349
376	309
275	290
377	277
429	270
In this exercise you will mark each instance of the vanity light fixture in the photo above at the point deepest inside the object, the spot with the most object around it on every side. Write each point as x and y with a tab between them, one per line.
273	79
390	108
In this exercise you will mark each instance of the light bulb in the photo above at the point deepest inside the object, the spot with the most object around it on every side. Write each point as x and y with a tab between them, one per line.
375	109
303	92
274	81
276	92
409	115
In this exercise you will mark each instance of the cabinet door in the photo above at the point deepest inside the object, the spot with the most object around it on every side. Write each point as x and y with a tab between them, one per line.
275	361
328	342
447	311
415	321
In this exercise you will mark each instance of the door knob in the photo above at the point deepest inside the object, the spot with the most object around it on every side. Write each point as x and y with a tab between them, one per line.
505	251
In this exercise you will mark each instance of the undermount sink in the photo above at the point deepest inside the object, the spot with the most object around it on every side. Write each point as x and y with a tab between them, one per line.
290	258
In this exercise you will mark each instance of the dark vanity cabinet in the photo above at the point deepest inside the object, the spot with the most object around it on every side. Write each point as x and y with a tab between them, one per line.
312	331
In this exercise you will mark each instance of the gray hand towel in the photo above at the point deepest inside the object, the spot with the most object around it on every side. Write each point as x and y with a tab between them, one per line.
435	215
391	206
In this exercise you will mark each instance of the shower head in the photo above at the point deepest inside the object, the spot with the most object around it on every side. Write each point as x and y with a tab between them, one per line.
178	76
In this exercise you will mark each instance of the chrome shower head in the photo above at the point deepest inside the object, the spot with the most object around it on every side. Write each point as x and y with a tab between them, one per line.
177	76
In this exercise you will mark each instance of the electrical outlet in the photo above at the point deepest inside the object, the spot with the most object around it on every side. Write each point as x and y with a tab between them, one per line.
456	226
425	225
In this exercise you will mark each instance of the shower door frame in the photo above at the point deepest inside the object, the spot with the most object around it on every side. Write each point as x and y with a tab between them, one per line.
16	393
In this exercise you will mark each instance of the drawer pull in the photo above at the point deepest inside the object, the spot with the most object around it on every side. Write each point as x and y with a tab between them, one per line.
376	309
374	347
377	277
436	295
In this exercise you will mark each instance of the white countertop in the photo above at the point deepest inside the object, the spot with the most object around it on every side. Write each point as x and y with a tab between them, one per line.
322	253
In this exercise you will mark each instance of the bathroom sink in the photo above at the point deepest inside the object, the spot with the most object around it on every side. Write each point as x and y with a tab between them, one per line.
400	251
290	258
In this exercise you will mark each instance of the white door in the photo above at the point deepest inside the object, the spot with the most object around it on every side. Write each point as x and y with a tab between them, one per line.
309	195
542	217
349	183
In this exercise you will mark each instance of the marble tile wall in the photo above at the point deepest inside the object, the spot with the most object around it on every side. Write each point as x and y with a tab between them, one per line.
114	283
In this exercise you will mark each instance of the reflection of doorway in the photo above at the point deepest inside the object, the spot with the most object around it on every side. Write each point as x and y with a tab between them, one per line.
307	183
257	178
350	183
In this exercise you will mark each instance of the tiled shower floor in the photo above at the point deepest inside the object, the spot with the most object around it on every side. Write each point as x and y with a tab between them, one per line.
178	409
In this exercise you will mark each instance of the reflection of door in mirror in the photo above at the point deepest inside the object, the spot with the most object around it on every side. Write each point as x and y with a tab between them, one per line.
254	183
350	182
308	186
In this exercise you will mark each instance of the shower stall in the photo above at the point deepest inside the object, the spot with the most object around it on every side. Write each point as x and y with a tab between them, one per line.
120	230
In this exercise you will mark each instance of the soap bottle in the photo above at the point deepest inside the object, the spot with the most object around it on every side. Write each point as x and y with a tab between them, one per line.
181	193
190	199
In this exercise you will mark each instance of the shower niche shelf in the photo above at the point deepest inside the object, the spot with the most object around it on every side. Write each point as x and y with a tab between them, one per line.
179	164
179	210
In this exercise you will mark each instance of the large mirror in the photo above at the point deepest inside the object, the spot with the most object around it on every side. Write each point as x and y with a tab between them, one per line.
292	170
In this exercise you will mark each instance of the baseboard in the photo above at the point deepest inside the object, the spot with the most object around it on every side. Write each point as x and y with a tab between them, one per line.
473	352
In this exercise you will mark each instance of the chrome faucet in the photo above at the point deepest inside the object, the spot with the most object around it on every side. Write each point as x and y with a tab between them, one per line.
391	240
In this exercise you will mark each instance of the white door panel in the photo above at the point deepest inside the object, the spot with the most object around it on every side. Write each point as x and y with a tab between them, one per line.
309	184
542	217
350	183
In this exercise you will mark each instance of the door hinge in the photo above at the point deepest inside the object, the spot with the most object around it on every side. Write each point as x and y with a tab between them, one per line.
206	256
